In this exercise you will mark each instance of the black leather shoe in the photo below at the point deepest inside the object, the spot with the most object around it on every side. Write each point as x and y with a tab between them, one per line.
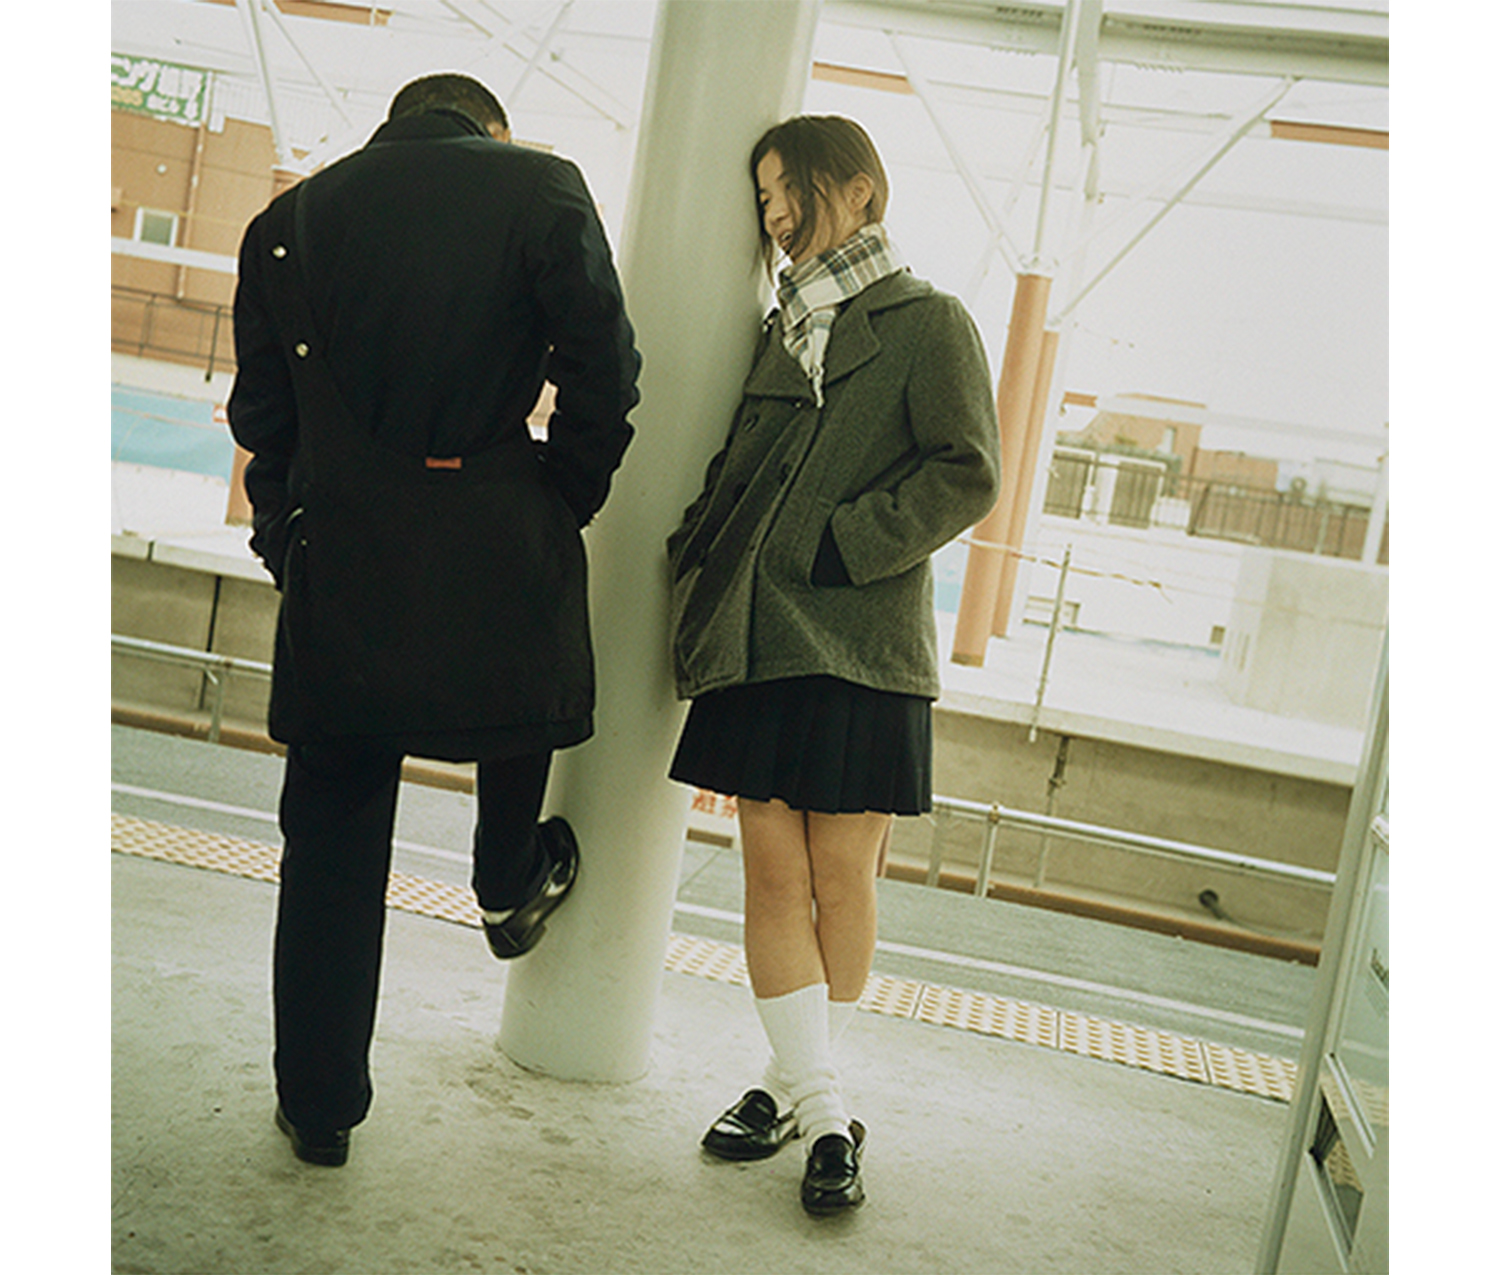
523	928
752	1129
831	1183
316	1146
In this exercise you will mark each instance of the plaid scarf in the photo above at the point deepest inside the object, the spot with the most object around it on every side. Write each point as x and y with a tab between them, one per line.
811	293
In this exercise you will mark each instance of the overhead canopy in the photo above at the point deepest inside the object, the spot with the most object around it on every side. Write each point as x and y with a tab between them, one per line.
1206	179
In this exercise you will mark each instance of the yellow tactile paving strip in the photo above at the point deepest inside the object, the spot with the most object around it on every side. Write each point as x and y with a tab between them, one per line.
1183	1057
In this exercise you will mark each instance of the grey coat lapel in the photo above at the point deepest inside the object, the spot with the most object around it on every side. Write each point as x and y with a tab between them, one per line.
776	373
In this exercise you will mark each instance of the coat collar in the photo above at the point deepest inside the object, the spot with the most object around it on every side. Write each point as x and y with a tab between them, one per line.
429	126
777	374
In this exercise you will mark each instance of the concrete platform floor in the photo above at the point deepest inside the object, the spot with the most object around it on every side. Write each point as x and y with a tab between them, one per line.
984	1154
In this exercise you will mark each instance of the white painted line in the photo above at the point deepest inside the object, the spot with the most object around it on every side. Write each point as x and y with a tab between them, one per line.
197	803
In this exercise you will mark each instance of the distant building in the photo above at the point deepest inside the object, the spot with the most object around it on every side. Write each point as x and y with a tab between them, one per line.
1110	430
1145	468
1133	433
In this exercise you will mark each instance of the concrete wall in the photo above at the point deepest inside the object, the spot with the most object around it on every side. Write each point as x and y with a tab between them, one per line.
1304	636
227	613
1225	807
214	181
163	605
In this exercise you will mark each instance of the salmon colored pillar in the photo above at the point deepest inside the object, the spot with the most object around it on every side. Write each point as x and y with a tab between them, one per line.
238	513
1013	399
1036	421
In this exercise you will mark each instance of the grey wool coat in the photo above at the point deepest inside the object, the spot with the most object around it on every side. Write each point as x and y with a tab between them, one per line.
902	457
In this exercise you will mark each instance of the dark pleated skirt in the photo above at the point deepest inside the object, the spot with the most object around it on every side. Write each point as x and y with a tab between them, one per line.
817	743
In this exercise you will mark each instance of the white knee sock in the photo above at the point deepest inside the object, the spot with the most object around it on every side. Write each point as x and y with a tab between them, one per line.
840	1015
797	1026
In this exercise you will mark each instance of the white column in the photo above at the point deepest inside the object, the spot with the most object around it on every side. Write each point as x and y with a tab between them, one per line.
581	1005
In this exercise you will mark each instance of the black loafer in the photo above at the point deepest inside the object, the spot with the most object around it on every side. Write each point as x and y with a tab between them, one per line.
831	1182
523	928
752	1129
328	1147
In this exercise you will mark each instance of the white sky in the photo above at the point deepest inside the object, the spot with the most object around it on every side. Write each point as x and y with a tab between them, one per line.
1250	313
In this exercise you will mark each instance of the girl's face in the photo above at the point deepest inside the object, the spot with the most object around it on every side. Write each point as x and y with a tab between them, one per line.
781	211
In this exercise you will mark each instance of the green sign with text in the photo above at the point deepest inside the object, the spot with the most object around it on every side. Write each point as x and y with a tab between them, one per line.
162	89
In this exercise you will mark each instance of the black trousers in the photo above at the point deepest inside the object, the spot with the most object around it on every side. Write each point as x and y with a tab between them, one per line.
338	810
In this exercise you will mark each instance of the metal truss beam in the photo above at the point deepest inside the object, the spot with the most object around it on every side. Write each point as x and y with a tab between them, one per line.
575	82
1000	238
333	98
1171	189
250	15
541	50
1334	45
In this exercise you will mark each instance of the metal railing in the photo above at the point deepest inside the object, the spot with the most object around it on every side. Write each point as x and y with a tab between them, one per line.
218	669
1141	492
995	816
195	337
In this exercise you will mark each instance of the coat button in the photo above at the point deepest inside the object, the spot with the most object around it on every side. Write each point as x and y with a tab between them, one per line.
279	250
301	348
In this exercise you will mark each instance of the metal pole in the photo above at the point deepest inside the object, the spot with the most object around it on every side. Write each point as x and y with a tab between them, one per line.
1054	781
581	1006
1026	487
220	682
987	855
1057	604
1140	843
567	78
213	343
935	850
990	575
1057	346
250	13
459	13
1067	42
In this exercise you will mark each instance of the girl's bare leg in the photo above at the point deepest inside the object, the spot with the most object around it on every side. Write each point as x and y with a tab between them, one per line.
844	851
810	913
781	940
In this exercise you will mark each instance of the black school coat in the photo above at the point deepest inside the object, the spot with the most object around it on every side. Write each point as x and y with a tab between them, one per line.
401	308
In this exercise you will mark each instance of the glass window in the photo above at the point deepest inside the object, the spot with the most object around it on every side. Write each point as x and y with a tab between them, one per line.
152	226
